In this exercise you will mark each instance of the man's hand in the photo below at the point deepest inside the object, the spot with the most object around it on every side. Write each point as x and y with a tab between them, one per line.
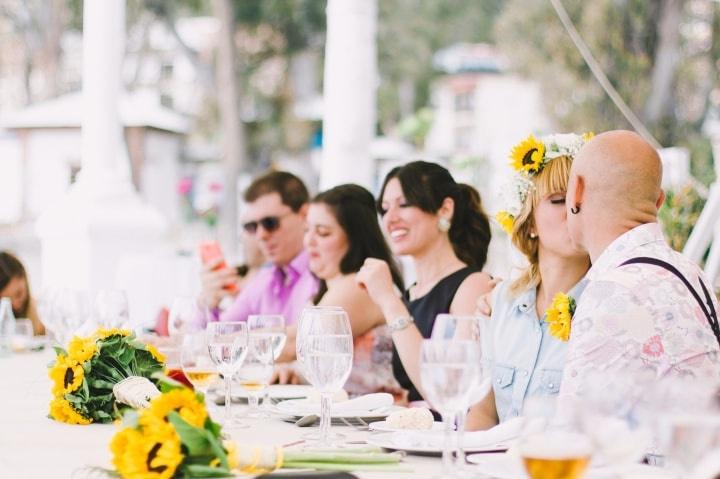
213	280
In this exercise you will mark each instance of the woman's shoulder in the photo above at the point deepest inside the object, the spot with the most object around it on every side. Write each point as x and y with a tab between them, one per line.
471	288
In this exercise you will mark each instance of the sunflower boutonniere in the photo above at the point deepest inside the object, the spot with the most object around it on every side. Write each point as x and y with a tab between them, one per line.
559	316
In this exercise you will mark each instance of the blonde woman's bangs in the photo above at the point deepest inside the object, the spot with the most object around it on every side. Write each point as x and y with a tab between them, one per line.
553	178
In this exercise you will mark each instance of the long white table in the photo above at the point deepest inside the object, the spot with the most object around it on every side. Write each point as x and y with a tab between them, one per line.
33	446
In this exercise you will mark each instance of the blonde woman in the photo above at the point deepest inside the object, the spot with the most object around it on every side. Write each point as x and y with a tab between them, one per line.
531	315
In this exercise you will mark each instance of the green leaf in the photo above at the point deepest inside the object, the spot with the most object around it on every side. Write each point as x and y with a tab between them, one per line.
195	439
199	470
60	351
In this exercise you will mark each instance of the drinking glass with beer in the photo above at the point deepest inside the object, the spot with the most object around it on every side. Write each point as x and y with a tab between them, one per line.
556	455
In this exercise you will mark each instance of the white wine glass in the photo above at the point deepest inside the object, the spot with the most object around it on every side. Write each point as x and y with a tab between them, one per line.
255	373
448	371
195	361
227	344
326	346
111	309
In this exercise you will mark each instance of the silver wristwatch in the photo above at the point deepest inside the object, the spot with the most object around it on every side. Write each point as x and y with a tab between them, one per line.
400	323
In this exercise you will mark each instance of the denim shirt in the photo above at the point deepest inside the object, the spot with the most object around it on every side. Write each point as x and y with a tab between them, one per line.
524	358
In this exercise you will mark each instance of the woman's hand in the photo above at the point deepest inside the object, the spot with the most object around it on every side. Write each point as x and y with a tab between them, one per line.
213	281
374	276
484	302
286	373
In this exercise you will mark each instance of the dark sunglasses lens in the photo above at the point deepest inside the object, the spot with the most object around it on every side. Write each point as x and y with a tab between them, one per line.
251	227
271	223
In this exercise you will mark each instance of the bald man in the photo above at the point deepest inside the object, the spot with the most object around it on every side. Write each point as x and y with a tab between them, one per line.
646	307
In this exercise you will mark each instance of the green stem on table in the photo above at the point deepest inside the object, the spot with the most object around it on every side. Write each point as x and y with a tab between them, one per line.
342	457
322	466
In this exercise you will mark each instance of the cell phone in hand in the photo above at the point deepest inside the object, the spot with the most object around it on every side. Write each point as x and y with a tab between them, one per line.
210	252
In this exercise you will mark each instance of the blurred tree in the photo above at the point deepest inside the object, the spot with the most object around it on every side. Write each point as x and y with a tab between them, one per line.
409	34
660	55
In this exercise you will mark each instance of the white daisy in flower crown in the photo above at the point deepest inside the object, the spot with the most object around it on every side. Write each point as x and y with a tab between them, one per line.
528	158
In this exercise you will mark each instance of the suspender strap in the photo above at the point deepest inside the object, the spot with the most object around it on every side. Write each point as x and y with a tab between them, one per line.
708	311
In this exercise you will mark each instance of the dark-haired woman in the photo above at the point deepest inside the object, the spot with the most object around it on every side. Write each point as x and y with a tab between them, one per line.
440	224
342	231
14	285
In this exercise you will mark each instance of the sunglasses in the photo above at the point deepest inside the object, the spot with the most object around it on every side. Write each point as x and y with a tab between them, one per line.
269	224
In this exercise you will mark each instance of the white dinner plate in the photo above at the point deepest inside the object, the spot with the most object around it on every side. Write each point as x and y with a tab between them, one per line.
298	408
278	392
382	426
405	441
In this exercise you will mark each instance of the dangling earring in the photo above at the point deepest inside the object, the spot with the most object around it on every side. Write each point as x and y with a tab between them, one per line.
443	224
575	209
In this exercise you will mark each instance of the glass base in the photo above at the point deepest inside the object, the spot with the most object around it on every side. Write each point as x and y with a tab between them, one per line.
314	438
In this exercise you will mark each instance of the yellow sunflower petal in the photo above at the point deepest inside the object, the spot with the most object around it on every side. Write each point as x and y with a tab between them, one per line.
82	349
103	333
184	401
528	155
153	454
506	221
62	411
67	375
159	357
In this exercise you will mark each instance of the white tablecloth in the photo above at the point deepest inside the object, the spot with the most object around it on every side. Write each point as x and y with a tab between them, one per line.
33	446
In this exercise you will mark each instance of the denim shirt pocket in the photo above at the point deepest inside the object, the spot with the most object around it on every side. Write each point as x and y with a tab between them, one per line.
550	381
503	378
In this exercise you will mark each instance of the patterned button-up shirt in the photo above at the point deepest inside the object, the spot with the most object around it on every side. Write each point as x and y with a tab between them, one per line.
640	316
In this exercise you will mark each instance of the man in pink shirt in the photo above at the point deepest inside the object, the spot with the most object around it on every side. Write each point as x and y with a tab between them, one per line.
275	215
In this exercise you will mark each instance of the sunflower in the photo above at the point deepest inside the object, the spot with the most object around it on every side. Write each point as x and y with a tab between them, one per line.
62	411
103	333
184	401
153	454
67	375
506	221
82	349
559	316
528	155
159	357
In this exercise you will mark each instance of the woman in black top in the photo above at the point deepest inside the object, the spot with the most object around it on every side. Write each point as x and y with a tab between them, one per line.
441	225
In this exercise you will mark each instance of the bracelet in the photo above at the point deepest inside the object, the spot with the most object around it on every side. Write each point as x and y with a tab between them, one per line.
400	323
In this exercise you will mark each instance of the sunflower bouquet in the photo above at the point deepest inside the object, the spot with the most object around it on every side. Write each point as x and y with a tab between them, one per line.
175	437
96	375
559	316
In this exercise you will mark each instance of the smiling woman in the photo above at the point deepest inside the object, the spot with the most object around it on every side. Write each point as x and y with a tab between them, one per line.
342	231
14	285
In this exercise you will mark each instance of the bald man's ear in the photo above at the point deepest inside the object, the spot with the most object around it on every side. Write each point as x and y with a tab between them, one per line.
578	192
661	199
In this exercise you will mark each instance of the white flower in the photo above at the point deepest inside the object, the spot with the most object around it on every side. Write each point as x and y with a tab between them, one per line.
515	192
562	144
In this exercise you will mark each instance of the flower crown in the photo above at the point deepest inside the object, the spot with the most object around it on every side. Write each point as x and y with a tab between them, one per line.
528	158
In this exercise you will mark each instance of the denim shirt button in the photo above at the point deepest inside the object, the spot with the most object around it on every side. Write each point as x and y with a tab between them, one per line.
525	373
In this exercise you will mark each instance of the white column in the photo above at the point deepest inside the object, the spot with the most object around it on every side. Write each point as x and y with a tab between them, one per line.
102	220
350	84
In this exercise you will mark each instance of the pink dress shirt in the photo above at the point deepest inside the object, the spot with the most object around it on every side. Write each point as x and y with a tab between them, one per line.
276	290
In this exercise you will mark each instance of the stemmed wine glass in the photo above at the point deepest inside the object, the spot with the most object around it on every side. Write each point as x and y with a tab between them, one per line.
273	327
257	369
448	372
325	351
197	365
227	343
451	328
111	309
186	314
73	311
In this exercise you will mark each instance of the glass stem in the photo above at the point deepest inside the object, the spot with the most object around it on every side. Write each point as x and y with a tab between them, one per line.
228	402
253	400
460	425
447	457
325	406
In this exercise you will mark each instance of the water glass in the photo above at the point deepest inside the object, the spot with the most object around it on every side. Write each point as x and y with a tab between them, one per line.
272	326
325	346
227	344
22	335
73	311
111	309
257	369
448	371
451	328
186	314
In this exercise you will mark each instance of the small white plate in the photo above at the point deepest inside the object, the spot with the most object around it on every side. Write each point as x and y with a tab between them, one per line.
278	392
403	442
382	426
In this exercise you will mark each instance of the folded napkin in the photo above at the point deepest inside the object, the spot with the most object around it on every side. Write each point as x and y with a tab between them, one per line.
501	434
361	405
367	402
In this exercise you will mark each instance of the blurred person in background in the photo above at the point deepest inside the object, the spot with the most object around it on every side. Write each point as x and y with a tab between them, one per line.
14	285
